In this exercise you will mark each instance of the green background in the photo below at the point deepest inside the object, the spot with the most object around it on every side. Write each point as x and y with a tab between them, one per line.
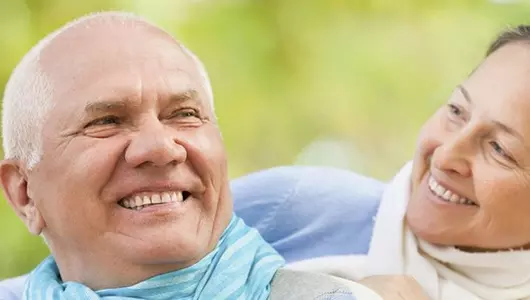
341	83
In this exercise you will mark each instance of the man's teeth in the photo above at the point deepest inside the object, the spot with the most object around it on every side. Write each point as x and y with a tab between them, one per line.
446	194
140	201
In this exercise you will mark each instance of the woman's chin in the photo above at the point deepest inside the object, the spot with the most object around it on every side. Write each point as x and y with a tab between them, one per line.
448	237
432	229
433	237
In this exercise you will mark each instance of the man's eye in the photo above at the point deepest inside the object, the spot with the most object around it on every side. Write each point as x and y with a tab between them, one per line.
107	120
185	113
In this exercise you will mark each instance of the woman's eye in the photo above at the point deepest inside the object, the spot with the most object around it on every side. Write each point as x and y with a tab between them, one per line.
499	150
107	120
455	110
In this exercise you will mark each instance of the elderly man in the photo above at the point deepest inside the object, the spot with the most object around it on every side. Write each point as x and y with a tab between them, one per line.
114	157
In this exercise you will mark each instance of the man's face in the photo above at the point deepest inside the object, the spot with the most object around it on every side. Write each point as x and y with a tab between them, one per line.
134	170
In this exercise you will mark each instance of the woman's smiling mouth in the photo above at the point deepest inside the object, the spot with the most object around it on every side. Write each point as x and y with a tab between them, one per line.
446	194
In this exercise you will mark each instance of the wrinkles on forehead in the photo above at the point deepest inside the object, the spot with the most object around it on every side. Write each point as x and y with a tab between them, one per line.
98	46
84	61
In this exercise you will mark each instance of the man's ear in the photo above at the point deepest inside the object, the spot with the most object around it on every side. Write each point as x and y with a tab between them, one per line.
13	178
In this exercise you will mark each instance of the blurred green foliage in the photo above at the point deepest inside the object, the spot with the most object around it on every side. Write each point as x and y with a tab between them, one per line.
286	73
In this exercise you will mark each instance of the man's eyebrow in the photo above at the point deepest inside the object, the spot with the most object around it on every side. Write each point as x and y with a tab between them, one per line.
190	94
499	124
105	105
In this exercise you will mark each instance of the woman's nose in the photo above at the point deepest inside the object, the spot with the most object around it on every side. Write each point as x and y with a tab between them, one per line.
453	155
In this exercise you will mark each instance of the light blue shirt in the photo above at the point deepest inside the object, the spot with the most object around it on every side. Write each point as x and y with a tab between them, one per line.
307	212
303	212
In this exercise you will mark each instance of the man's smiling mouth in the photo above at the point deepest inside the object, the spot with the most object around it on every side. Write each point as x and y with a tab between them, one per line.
142	200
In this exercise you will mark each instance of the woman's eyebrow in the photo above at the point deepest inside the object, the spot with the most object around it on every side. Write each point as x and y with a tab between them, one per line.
465	93
497	123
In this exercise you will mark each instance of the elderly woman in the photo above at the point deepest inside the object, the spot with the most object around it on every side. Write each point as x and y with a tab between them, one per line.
455	218
114	156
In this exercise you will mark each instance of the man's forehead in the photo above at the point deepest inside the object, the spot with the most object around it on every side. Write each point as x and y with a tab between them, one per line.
130	86
99	56
121	87
97	43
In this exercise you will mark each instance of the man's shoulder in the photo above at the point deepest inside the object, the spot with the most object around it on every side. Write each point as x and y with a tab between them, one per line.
307	212
293	185
288	179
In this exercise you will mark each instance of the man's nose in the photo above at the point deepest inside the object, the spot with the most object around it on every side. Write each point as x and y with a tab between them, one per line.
454	155
155	144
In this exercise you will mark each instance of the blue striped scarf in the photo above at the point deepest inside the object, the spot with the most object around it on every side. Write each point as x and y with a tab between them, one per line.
241	267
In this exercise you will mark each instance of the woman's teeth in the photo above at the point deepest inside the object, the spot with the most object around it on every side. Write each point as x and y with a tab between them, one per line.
446	194
138	202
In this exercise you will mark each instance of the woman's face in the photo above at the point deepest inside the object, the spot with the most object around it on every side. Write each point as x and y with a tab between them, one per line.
471	175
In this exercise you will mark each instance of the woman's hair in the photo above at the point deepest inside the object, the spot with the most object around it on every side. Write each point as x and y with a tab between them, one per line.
520	33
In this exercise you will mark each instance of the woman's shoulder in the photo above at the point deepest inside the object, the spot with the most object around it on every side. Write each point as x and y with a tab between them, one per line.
291	284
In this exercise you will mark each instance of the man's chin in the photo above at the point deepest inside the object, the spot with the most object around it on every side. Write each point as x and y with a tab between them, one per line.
178	258
164	245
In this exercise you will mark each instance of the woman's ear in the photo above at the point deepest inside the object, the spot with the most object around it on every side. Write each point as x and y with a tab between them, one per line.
14	183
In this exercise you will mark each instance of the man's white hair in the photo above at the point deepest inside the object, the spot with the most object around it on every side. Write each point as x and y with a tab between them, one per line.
27	96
